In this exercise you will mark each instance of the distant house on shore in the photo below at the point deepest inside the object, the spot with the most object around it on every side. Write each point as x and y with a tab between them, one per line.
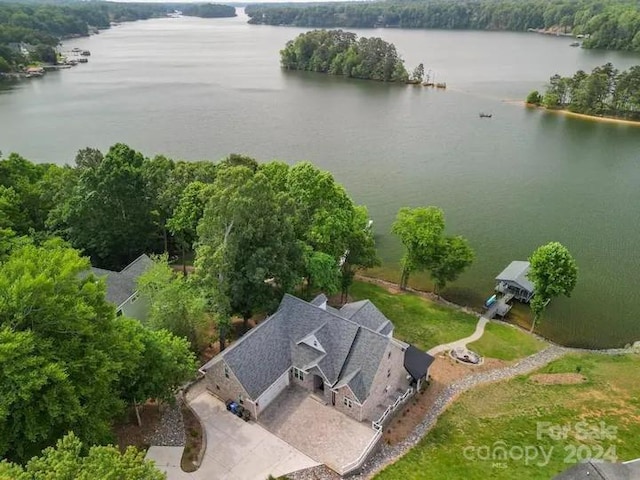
513	280
122	287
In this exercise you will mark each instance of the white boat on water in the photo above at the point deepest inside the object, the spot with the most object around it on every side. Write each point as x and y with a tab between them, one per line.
174	14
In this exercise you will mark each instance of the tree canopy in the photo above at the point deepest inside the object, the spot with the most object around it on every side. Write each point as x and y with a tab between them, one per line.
343	53
246	243
67	460
175	302
64	355
421	231
604	91
553	272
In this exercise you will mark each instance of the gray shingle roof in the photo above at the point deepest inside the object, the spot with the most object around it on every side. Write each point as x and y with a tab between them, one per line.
517	272
417	362
319	300
121	285
365	356
353	350
261	356
366	314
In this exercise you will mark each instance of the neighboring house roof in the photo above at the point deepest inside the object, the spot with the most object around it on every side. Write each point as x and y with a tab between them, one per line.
121	285
344	351
599	471
517	272
417	362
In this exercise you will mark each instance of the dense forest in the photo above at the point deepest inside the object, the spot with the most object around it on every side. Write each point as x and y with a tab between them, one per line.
208	10
41	26
342	53
604	91
608	24
113	207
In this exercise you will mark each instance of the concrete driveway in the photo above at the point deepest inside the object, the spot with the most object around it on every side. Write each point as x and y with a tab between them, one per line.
236	450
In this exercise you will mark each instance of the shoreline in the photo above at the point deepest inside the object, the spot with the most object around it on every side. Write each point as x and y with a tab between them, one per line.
629	347
584	116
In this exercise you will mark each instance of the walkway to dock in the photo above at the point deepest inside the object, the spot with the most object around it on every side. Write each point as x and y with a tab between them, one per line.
445	347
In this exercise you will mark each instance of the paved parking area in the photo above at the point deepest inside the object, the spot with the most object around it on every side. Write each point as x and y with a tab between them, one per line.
320	431
236	450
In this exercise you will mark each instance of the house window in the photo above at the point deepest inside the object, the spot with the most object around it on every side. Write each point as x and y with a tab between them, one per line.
240	399
389	355
299	374
134	298
226	371
119	313
217	387
388	373
348	402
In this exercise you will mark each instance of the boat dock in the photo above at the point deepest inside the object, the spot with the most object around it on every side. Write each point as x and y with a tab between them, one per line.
498	305
512	283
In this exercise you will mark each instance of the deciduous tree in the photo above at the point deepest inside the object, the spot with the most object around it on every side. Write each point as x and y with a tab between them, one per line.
175	302
553	272
67	460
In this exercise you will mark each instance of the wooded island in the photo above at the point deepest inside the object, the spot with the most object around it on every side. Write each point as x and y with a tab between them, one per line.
337	52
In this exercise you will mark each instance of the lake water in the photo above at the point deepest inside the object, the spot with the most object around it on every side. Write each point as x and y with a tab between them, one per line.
202	88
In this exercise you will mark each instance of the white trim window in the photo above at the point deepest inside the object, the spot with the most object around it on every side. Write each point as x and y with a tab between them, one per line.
348	402
298	374
226	371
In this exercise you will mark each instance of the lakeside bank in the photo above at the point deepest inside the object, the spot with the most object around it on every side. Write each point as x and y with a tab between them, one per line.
584	116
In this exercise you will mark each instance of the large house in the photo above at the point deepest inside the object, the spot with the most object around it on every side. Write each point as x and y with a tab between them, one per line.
122	287
347	357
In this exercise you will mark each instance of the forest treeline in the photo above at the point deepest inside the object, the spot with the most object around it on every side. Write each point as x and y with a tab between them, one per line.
342	53
41	26
608	24
603	92
208	10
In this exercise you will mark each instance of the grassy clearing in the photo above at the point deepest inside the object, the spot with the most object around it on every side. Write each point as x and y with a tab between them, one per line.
417	320
510	414
505	342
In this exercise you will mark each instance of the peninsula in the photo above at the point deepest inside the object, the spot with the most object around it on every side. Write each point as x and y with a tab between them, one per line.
604	94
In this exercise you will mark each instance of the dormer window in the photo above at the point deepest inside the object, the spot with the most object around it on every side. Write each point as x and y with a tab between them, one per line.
313	342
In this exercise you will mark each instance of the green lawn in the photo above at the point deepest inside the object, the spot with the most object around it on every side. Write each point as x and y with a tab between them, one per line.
505	342
417	320
509	414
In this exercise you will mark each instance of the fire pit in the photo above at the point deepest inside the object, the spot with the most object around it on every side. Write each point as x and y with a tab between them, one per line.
463	355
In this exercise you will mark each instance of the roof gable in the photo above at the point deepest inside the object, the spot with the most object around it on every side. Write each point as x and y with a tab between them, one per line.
261	356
